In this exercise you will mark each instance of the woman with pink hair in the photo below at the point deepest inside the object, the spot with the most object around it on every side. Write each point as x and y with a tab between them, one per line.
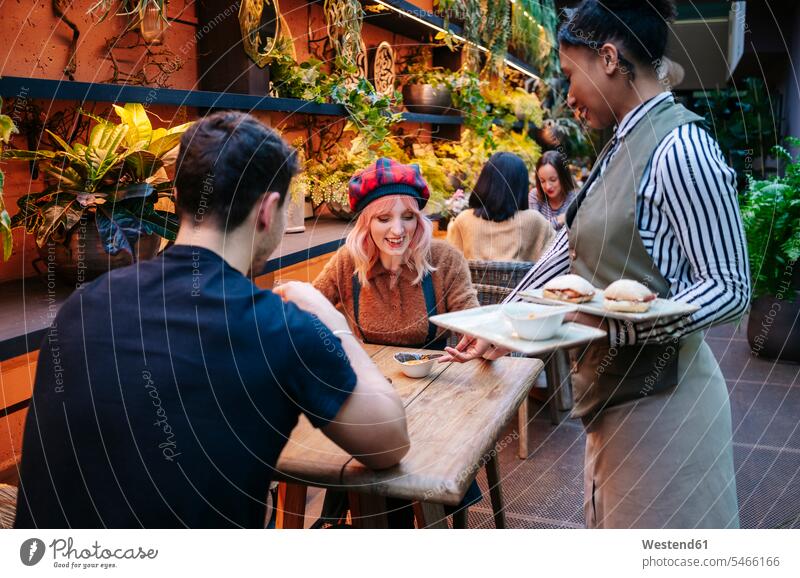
391	276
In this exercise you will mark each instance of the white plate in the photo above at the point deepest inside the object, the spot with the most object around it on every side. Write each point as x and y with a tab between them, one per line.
490	324
659	309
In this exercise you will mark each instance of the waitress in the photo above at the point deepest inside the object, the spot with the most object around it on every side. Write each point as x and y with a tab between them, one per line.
660	208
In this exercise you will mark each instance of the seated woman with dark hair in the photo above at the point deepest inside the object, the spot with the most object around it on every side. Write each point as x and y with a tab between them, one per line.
554	190
498	226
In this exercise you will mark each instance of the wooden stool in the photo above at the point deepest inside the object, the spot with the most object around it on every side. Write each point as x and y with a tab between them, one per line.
8	506
291	506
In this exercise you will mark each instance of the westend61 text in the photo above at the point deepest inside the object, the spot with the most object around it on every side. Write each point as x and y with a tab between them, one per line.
670	545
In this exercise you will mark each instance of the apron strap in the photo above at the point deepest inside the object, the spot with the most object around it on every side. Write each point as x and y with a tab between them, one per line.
430	305
572	210
356	298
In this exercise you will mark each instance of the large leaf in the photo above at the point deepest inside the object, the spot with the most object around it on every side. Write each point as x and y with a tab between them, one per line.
161	223
67	176
5	221
139	129
164	140
5	234
143	164
63	215
147	220
101	153
7	128
136	191
20	155
117	227
62	143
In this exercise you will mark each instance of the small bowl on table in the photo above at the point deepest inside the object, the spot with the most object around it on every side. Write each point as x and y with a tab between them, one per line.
416	365
535	322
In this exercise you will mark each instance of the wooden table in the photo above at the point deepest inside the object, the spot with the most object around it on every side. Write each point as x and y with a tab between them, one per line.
455	417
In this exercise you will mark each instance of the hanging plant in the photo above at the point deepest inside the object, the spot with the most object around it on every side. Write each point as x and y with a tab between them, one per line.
149	15
495	34
370	113
7	128
264	50
533	32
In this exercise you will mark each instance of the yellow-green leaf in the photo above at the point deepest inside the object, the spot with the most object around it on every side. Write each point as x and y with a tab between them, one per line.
7	127
139	129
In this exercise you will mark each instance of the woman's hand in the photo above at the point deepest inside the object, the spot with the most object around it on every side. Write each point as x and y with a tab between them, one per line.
470	348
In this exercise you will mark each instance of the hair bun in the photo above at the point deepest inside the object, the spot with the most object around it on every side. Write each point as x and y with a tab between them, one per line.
665	8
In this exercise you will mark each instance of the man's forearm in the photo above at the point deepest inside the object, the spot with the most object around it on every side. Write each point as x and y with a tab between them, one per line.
364	368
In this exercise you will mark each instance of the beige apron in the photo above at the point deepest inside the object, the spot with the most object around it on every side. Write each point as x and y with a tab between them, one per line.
657	417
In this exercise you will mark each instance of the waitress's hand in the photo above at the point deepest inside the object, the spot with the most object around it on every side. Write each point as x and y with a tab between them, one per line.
470	348
590	320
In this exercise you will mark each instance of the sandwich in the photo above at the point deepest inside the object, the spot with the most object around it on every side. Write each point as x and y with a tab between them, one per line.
628	296
569	288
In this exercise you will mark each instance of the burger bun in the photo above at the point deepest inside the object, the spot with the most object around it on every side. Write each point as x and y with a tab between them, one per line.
628	296
626	306
582	291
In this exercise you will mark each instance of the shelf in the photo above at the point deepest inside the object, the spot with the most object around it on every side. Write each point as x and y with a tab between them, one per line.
27	308
404	18
11	86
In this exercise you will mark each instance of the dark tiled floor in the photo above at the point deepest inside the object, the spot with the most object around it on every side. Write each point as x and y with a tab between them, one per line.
546	490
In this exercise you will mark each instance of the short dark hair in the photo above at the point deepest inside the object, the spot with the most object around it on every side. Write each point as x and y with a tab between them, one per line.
226	162
559	162
502	188
641	27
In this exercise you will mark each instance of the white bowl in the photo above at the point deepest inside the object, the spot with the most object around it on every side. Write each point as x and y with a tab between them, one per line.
536	322
412	365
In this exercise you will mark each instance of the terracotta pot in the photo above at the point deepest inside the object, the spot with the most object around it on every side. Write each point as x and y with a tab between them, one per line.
773	328
427	99
81	257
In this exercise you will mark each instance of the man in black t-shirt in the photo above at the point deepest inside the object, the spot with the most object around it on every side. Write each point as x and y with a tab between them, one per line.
165	391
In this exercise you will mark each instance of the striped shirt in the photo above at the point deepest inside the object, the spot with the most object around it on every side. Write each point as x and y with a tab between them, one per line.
688	218
546	210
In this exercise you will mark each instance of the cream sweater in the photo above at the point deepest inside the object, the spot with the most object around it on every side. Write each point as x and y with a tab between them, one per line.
523	237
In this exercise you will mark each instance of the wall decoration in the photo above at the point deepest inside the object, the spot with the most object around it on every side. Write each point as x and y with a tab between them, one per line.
383	69
343	20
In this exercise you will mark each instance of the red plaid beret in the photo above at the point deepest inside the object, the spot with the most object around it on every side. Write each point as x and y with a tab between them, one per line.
387	177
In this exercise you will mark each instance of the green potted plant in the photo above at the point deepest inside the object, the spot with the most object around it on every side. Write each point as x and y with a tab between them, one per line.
427	91
7	128
98	209
771	216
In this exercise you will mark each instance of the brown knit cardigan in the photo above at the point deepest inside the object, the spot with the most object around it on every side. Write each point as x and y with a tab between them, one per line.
397	315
